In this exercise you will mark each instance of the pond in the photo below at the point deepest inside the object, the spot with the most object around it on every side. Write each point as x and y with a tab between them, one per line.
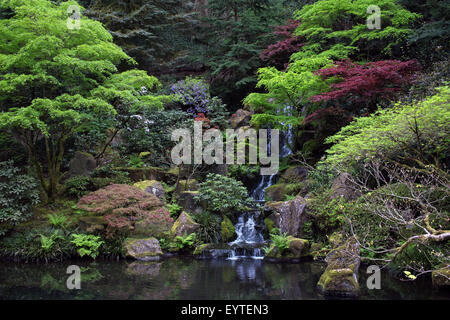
189	279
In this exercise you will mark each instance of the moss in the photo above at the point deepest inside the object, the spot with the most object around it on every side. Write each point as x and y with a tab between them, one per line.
339	281
145	184
200	248
275	192
228	231
270	224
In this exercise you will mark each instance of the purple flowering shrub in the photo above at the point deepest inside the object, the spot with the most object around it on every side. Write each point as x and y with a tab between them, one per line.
193	94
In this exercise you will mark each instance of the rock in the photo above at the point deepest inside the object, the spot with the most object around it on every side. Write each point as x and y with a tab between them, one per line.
188	202
228	230
276	192
183	226
298	248
342	187
143	249
441	277
186	185
144	268
152	186
212	251
294	174
341	275
240	118
289	216
82	164
153	224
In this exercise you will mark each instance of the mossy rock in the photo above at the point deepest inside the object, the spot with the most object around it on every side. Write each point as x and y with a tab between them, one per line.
441	277
298	248
152	186
147	249
339	282
187	200
276	192
184	225
228	230
200	248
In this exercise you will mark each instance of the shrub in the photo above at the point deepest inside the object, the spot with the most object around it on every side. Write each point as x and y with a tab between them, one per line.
193	94
223	194
87	244
18	194
209	231
416	133
78	186
122	205
58	220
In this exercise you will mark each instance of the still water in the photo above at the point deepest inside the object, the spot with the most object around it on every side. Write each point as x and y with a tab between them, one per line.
182	278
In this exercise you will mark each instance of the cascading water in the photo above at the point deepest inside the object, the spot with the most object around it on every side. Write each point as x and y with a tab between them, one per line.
249	237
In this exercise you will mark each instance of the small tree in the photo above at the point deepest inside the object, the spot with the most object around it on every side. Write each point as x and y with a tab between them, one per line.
223	194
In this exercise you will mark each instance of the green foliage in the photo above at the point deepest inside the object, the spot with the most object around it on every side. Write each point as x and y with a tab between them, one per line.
332	30
416	133
18	194
152	32
340	27
186	241
228	231
223	194
279	241
328	215
48	242
87	244
52	94
135	161
58	220
244	27
174	209
151	131
77	186
179	243
209	231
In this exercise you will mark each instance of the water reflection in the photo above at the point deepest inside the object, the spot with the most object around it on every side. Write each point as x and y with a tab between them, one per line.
187	279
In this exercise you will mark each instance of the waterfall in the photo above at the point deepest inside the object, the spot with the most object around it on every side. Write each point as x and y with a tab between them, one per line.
249	238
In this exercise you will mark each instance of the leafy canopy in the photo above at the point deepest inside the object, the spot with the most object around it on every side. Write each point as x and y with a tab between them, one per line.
416	134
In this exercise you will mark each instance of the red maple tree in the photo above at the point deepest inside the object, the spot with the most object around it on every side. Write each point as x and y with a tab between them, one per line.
367	84
278	53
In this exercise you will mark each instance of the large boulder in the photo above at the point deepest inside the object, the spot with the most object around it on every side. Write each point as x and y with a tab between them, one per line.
298	248
188	201
152	186
288	216
143	249
276	192
342	187
183	226
341	275
82	164
240	118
